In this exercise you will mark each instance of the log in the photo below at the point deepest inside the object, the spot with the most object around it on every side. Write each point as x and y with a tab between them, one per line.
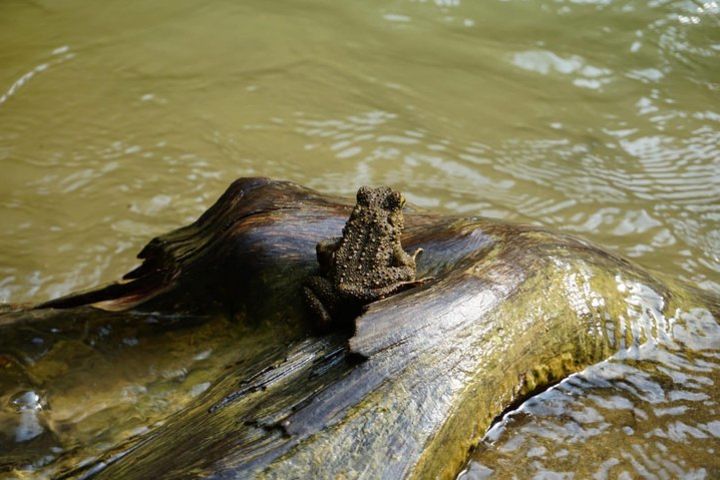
511	310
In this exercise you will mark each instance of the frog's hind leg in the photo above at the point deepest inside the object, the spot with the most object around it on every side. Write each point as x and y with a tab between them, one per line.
399	285
389	282
321	300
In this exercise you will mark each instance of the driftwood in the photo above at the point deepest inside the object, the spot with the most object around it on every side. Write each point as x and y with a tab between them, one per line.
511	310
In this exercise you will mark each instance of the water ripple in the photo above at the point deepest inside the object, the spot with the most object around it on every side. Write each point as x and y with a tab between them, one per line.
661	403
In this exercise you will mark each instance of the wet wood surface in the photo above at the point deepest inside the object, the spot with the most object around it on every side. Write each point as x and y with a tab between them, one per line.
511	310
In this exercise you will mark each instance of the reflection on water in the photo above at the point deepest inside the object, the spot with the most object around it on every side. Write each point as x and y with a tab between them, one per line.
121	121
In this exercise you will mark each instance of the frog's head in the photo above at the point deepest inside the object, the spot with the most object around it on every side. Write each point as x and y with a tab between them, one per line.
380	197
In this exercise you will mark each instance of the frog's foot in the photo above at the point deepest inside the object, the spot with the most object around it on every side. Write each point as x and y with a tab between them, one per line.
421	281
319	298
417	252
414	283
318	310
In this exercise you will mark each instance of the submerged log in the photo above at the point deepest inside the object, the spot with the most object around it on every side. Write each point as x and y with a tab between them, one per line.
511	310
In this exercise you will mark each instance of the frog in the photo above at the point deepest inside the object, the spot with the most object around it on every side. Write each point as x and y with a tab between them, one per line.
367	263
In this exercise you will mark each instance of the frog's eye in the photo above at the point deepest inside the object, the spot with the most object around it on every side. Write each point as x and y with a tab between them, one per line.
363	196
393	201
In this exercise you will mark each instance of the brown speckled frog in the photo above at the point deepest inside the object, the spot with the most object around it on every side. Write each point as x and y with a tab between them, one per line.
366	264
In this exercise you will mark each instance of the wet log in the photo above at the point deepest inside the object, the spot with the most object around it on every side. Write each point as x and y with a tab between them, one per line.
511	310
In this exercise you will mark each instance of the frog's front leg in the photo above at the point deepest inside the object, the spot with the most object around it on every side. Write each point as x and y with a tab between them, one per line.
402	259
423	280
404	272
321	299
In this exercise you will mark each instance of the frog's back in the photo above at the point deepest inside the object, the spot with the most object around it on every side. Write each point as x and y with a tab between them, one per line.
361	258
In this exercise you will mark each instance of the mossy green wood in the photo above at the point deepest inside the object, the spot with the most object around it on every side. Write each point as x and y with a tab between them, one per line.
511	310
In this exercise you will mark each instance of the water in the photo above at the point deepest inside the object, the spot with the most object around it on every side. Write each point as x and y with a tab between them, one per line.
646	413
122	120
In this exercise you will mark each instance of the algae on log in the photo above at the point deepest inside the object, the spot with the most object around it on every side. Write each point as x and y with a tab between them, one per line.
512	309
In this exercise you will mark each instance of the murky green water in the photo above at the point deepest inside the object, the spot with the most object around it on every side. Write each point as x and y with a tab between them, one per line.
122	120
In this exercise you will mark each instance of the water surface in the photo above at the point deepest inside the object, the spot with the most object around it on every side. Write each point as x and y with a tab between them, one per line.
122	120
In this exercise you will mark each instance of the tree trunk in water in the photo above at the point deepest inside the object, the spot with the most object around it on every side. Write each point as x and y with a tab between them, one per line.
511	310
